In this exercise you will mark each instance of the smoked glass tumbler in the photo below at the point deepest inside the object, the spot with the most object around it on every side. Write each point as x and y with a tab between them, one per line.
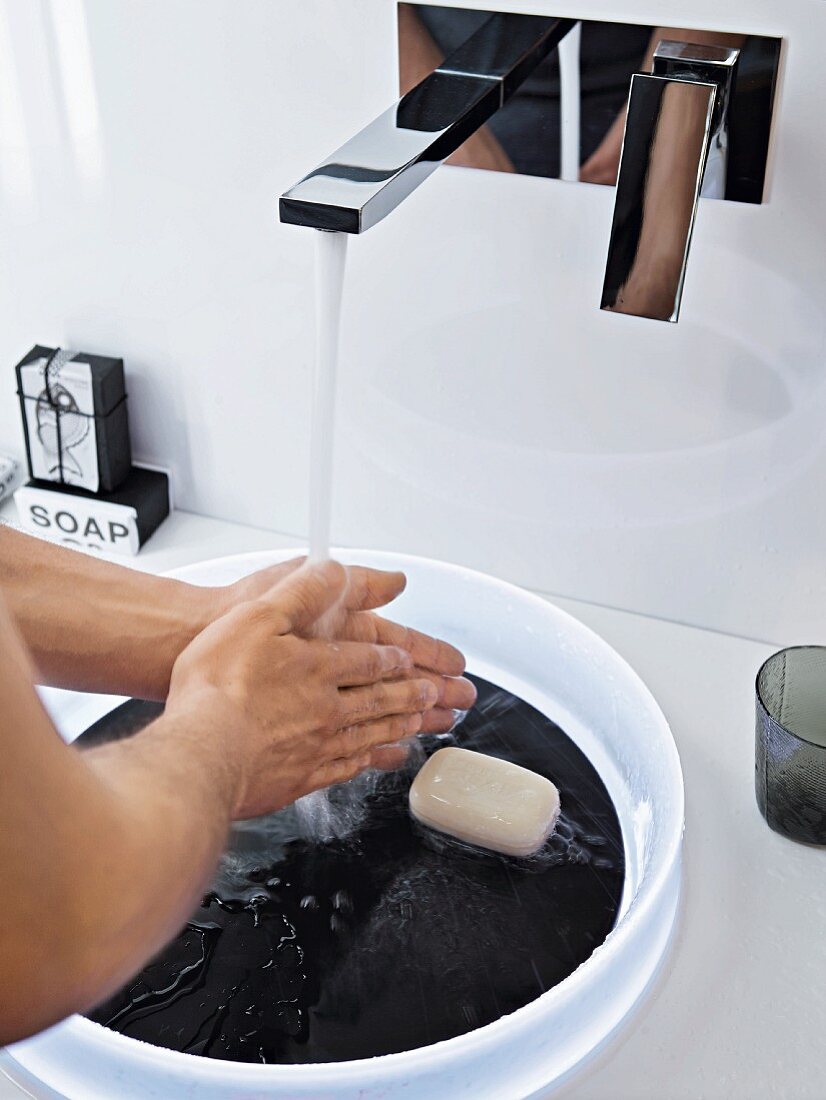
790	758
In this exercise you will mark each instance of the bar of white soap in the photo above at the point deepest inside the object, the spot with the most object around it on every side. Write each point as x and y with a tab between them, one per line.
485	801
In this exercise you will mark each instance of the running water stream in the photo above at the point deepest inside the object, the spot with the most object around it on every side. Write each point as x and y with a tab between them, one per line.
338	812
331	254
318	817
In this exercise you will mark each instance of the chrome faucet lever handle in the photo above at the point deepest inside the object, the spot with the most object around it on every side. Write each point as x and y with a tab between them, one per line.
674	149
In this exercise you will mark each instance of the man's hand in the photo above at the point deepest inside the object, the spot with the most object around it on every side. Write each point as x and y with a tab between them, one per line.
91	625
105	851
352	618
291	710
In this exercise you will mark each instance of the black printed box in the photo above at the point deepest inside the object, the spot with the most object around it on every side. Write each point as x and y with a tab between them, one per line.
74	418
119	522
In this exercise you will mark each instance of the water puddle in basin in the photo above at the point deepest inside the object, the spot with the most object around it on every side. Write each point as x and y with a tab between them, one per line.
383	942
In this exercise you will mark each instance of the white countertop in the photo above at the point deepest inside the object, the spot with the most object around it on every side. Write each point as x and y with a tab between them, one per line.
740	1005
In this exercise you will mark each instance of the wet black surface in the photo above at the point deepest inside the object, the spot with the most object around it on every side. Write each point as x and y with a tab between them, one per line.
389	940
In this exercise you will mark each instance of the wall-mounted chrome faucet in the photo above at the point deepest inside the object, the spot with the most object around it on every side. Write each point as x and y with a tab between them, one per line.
697	125
375	170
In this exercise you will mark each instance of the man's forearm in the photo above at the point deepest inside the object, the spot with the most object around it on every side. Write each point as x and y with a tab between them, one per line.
95	626
103	854
168	794
141	831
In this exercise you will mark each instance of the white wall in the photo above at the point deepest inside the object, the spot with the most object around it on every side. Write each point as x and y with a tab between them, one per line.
490	413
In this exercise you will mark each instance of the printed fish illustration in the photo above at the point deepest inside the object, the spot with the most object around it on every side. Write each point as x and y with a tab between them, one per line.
74	427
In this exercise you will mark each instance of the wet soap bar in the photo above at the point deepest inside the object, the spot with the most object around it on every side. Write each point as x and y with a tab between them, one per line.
485	801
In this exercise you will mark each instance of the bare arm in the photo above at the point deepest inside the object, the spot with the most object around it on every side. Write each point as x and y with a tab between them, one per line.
104	853
101	856
94	626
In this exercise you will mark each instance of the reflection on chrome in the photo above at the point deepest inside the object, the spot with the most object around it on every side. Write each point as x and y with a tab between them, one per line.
373	172
675	147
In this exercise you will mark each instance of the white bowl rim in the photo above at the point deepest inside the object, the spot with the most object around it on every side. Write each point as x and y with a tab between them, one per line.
651	887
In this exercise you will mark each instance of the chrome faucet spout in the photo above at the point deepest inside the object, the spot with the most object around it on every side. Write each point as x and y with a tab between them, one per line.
378	168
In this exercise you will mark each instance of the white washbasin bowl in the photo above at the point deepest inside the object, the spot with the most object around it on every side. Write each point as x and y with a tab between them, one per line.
540	653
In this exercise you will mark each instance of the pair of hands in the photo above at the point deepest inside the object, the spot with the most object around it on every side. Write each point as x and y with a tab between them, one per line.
279	684
301	685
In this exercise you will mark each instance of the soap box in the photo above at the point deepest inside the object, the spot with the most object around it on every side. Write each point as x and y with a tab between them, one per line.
73	407
119	522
